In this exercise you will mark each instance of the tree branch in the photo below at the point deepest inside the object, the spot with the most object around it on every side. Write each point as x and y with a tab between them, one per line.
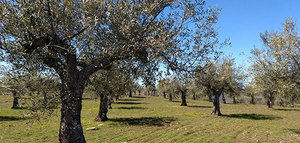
76	34
103	63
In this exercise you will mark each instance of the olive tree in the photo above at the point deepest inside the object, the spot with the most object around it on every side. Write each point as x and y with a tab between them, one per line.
218	78
252	91
108	84
162	87
78	38
16	84
276	66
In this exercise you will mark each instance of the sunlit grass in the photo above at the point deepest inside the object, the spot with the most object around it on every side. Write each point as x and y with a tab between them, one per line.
154	119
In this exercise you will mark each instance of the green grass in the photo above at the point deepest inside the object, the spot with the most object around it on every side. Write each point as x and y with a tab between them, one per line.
154	119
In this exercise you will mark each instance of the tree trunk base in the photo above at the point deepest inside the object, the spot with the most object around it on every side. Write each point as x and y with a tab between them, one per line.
216	113
99	119
183	104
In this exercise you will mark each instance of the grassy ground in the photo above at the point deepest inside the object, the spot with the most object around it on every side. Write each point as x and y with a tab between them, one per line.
154	119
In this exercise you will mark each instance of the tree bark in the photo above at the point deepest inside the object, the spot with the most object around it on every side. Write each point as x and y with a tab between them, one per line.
216	108
183	98
234	100
16	100
252	100
223	98
165	96
170	97
103	109
130	93
270	101
70	124
194	96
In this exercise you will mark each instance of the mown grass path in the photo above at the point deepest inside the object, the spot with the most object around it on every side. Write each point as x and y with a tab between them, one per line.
154	119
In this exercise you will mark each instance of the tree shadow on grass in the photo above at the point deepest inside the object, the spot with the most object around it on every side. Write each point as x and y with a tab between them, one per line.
253	116
283	109
197	106
139	97
15	108
128	102
144	121
130	108
296	131
176	101
11	118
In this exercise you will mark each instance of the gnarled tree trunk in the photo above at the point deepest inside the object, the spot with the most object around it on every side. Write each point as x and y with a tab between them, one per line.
183	98
70	124
16	100
194	96
234	100
252	100
103	109
216	108
170	97
130	93
269	103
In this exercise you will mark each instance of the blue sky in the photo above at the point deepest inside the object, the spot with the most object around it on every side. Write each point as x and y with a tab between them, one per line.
243	20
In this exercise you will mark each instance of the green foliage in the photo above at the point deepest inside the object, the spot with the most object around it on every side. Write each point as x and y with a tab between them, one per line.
276	68
217	78
41	91
114	82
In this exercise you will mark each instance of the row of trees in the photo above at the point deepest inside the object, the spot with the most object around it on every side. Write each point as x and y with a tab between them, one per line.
213	79
274	74
108	45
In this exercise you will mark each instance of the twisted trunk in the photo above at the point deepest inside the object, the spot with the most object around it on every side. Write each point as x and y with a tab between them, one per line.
183	98
194	96
130	93
16	100
270	101
103	109
170	97
70	124
216	104
234	100
252	100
